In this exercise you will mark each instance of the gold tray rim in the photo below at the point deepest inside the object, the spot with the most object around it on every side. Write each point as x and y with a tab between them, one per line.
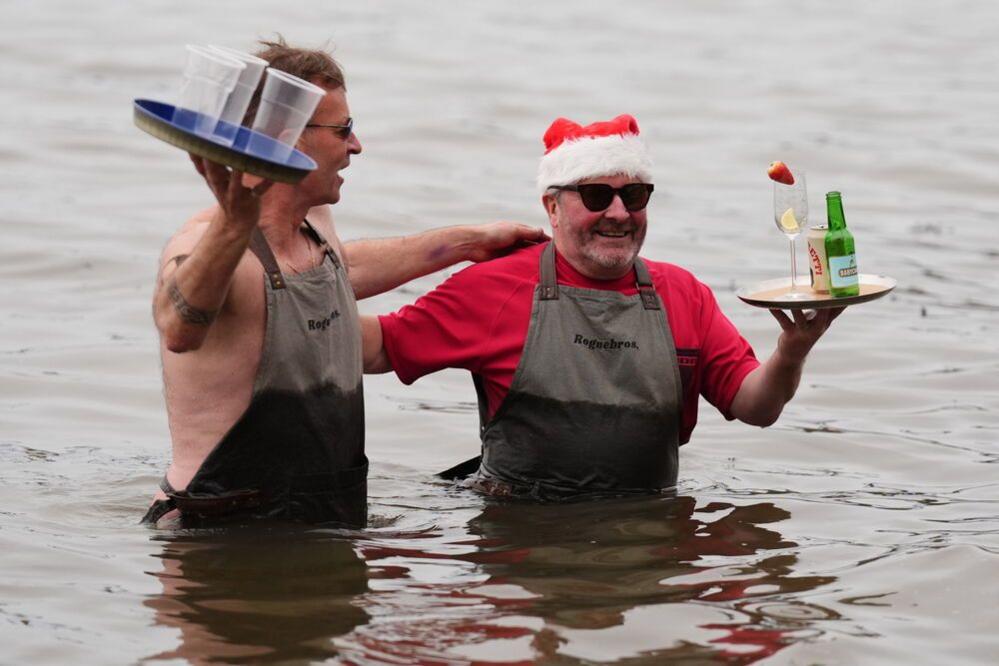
748	294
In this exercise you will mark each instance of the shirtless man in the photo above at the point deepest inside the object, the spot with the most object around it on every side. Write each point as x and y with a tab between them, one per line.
260	337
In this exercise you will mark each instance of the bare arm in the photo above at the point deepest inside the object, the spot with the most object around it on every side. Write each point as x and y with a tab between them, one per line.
196	272
378	265
376	361
766	390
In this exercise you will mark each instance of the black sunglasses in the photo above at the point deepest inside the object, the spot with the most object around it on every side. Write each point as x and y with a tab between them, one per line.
343	131
599	196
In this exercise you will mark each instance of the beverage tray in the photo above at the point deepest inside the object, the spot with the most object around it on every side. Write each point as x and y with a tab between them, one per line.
267	157
772	294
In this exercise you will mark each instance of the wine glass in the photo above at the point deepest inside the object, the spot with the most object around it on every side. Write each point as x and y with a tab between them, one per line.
791	217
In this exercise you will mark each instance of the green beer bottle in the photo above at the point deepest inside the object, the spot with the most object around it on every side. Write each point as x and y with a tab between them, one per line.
840	253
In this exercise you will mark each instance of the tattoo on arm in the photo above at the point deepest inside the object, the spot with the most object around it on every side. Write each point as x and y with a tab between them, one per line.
179	259
188	312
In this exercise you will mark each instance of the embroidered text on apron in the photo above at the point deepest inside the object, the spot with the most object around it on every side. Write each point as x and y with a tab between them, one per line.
297	452
595	402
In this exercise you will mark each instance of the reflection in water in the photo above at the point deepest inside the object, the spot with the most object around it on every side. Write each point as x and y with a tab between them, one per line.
628	579
551	575
239	596
594	562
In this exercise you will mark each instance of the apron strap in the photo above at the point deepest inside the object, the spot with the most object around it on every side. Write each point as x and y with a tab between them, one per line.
208	505
650	300
480	393
548	284
323	245
167	487
259	247
160	508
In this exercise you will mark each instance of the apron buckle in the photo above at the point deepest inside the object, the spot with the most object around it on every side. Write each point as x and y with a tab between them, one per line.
649	300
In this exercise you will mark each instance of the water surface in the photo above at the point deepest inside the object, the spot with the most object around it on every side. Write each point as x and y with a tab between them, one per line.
862	527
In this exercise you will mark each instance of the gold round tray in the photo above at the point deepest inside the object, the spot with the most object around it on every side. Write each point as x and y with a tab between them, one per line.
773	294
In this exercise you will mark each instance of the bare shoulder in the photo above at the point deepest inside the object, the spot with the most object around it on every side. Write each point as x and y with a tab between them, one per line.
182	243
245	289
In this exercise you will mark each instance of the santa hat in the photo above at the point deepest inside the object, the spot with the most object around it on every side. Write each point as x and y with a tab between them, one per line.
574	153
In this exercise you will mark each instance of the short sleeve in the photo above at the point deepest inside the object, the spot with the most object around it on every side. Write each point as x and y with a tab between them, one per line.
446	328
727	356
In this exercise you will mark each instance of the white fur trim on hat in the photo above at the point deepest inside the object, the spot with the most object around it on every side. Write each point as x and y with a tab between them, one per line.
584	158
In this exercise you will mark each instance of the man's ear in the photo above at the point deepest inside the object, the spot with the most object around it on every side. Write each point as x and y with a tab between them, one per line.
550	202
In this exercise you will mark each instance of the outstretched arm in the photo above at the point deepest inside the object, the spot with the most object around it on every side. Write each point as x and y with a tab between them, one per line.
196	272
766	390
378	265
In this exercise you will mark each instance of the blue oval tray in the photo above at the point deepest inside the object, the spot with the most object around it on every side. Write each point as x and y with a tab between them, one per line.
266	157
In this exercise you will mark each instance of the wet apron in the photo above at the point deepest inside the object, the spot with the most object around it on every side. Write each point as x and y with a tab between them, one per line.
594	406
297	452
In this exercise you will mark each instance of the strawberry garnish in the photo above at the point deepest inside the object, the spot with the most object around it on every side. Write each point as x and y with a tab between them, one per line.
778	171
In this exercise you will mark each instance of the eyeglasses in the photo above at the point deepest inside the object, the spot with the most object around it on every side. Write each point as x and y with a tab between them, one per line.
342	131
599	196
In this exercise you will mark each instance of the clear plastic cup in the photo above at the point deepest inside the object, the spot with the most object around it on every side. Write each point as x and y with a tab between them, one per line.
239	98
286	104
209	77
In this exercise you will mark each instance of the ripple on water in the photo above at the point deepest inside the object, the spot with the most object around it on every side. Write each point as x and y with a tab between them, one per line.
863	528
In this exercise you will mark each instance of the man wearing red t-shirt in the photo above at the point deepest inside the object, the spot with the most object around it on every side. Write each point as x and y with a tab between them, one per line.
589	360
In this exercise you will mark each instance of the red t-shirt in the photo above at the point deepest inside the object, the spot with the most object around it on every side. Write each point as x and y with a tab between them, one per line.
478	320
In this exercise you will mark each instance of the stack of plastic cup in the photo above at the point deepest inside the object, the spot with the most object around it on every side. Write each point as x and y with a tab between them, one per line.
209	78
286	105
239	98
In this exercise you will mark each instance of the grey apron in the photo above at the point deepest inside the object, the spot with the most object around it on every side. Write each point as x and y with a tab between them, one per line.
594	406
297	452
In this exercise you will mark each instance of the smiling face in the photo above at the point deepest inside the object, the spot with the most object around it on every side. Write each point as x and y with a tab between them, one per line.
331	151
601	245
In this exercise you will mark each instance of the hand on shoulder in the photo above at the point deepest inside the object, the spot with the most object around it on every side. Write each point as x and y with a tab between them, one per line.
501	238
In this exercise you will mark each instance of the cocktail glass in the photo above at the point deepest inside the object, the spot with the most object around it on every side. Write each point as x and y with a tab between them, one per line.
791	217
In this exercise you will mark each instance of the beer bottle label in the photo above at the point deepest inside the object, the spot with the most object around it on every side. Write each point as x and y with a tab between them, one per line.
843	271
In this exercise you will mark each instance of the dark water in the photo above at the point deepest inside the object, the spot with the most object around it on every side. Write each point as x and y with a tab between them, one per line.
515	581
862	528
